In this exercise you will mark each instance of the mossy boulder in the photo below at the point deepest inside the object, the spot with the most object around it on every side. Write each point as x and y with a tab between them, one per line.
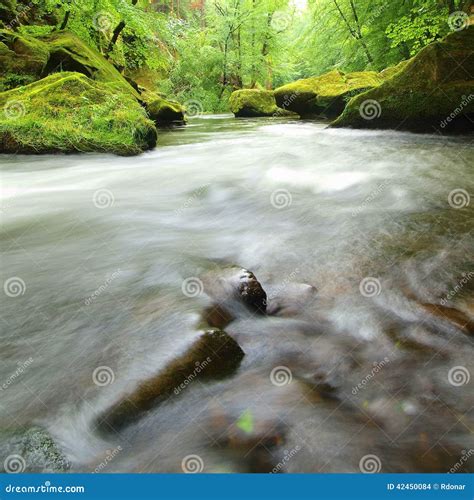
251	103
69	112
24	59
31	450
162	111
434	91
325	95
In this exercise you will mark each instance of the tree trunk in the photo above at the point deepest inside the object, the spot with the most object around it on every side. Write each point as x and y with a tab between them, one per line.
118	29
359	32
65	20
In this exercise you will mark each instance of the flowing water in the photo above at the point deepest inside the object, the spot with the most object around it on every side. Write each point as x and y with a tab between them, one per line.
352	375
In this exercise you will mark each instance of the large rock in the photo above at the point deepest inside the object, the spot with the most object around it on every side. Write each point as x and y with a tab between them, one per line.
252	103
25	59
162	111
433	91
325	95
213	355
68	112
30	450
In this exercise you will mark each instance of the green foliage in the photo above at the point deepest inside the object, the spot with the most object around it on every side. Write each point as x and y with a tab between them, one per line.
417	29
204	50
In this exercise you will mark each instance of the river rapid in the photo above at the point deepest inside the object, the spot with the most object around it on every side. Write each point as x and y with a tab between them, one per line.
353	234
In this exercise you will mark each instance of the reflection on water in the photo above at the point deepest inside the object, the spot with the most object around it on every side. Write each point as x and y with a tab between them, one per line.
99	247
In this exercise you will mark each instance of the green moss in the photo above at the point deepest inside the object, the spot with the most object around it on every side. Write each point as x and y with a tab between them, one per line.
22	59
325	95
68	112
253	103
393	70
32	59
433	91
162	111
70	53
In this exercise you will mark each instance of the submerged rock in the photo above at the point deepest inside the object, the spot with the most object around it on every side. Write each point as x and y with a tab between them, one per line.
252	103
68	112
454	316
32	450
291	299
432	91
325	95
213	355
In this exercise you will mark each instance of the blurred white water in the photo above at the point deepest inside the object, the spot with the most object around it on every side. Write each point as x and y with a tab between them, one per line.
104	243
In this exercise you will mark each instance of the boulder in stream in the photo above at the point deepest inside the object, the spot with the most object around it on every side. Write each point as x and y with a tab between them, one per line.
213	355
325	95
162	111
235	290
433	91
252	103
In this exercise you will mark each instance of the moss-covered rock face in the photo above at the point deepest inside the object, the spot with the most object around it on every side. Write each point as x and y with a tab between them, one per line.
24	59
250	103
68	112
325	95
434	91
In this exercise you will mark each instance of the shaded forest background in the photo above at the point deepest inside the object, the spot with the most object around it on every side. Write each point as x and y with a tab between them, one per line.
204	49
